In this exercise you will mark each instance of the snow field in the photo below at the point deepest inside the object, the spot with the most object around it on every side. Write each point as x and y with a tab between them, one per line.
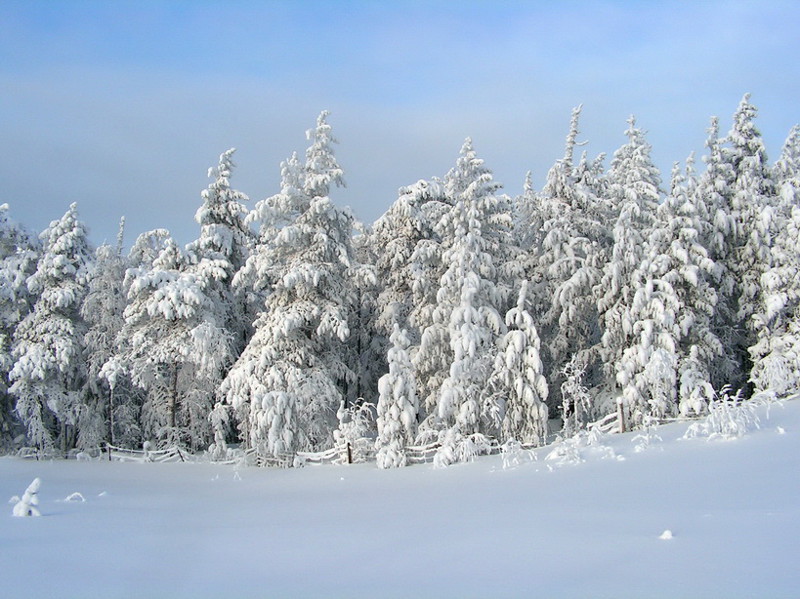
554	528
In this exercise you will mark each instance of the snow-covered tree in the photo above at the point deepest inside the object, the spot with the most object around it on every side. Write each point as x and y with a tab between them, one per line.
776	351
49	372
288	383
518	380
569	258
634	188
112	414
752	215
397	405
469	282
676	256
18	256
170	345
215	257
647	369
467	303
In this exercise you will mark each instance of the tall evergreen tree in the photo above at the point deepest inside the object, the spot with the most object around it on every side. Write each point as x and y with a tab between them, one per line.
171	345
295	371
49	372
634	189
518	379
112	415
397	405
18	257
776	351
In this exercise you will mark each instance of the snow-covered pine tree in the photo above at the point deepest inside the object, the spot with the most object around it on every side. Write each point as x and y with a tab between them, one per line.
215	257
647	369
676	256
776	351
288	383
18	257
112	414
223	245
169	345
712	198
672	348
473	235
787	171
634	189
467	303
397	404
49	372
517	377
752	213
568	261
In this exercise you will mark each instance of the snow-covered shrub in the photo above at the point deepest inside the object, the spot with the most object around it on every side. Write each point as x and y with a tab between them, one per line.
576	403
647	434
355	436
730	417
456	447
513	454
27	505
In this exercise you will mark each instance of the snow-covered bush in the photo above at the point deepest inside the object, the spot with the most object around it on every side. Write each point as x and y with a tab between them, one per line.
513	454
730	417
647	435
27	505
355	436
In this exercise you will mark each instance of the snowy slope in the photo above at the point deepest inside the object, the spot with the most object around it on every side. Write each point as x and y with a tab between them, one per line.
547	528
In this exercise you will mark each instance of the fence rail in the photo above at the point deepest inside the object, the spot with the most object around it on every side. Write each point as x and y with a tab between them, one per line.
170	454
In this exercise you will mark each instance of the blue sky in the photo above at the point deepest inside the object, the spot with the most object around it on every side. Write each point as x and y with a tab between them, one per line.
123	106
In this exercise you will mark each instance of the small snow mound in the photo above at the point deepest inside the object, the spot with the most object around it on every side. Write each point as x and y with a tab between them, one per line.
102	493
75	497
781	430
666	535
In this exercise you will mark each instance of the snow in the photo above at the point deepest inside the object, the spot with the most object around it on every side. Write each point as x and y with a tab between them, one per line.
728	511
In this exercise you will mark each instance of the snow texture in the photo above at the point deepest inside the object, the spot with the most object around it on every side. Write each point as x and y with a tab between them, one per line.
587	529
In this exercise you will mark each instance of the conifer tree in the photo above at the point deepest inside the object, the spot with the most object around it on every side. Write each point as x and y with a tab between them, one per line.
397	405
517	377
569	259
18	257
170	345
776	351
112	415
466	313
295	371
49	372
676	256
634	192
214	258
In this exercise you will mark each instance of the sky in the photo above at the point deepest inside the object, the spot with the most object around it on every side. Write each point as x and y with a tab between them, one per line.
123	106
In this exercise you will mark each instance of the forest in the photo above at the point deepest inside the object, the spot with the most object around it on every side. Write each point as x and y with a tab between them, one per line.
462	317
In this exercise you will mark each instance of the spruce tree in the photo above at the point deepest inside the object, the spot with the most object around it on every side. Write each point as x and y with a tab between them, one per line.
49	372
295	371
18	257
397	405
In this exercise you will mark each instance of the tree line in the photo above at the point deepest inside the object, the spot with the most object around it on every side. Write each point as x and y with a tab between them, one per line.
461	316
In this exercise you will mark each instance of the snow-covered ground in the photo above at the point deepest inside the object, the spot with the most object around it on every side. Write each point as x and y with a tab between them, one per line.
546	528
